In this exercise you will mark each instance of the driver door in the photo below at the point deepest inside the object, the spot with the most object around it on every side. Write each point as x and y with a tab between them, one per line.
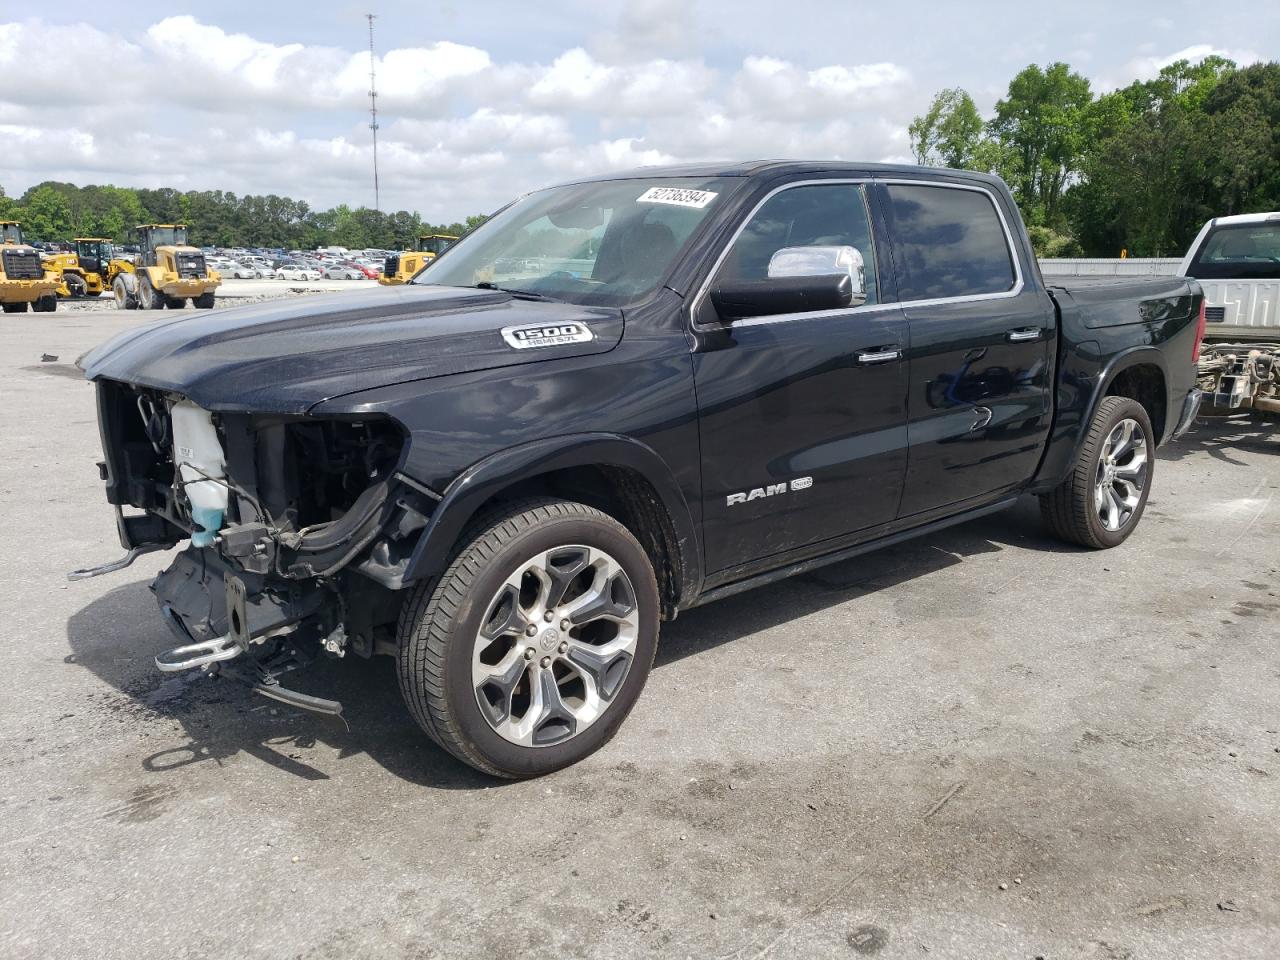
802	416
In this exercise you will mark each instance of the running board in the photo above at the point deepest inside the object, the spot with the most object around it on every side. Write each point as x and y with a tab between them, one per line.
848	553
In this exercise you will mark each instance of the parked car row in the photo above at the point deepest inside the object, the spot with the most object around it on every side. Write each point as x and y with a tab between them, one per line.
296	264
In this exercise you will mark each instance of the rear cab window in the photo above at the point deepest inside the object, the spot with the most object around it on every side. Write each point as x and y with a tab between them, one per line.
1239	251
949	242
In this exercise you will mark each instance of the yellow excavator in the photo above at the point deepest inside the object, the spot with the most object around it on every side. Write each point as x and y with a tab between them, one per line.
169	272
23	279
87	270
401	267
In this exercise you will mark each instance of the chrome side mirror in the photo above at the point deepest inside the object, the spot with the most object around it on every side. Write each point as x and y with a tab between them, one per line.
822	262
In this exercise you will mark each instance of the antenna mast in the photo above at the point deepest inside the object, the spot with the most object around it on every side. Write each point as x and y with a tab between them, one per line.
373	113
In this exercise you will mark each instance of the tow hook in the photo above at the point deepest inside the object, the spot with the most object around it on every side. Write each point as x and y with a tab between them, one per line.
199	654
87	572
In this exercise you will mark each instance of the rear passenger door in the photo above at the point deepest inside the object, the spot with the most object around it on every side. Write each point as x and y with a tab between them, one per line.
802	416
979	404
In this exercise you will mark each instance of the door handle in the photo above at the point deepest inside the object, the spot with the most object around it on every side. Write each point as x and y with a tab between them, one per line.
883	355
1024	334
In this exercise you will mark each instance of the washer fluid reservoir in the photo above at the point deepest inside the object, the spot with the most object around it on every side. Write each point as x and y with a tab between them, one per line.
198	454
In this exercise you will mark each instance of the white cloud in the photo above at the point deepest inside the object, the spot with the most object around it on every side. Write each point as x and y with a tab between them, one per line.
195	106
186	102
1148	67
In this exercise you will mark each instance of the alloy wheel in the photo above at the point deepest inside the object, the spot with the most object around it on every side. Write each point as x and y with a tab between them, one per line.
1121	475
555	645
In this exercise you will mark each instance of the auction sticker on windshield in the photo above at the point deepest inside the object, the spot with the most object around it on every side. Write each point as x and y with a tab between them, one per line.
677	196
546	335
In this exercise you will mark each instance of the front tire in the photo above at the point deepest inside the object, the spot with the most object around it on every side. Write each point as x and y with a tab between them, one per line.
534	645
1102	499
76	287
148	297
125	294
204	301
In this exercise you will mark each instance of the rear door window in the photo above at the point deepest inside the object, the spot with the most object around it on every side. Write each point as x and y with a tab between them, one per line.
949	242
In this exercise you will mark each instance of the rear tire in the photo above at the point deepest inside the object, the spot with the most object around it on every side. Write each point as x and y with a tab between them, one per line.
204	301
584	586
1101	501
76	287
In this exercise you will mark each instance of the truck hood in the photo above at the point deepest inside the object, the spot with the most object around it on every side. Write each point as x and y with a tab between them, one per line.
285	356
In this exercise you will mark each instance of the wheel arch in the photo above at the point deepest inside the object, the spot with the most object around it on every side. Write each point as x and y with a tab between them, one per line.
617	474
1141	374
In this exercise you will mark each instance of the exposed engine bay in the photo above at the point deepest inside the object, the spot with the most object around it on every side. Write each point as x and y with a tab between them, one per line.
301	528
1241	376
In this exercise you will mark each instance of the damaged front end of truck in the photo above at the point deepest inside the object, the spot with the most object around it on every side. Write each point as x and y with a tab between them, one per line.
301	530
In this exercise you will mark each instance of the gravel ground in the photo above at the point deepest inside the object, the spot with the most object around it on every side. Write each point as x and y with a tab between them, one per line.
979	745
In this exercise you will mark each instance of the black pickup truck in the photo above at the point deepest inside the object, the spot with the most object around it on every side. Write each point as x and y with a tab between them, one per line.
617	399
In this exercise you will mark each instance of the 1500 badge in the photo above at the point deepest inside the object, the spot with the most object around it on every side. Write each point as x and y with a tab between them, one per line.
546	335
772	490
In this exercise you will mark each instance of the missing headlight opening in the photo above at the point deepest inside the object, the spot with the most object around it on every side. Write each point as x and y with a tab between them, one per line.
267	501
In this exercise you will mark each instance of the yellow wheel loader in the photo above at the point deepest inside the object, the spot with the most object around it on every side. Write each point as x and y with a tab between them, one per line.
169	272
401	267
86	271
23	279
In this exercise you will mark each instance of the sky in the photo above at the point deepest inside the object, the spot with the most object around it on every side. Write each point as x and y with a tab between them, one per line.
481	101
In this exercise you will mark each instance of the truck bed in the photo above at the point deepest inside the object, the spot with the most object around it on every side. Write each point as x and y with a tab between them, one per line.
1117	301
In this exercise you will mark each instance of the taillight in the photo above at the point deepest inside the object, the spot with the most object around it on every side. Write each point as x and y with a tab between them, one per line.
1200	322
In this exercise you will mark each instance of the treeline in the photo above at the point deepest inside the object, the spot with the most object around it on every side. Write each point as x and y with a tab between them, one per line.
1139	169
60	211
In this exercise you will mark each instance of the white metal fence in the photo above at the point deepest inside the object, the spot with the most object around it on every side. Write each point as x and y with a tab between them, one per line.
1099	267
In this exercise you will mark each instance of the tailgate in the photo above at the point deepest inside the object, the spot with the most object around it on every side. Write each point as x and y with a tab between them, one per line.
1242	308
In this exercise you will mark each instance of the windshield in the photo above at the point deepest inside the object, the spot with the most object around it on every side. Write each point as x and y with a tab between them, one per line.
1239	251
606	243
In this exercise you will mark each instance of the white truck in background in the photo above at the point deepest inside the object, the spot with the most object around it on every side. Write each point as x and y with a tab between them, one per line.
1237	262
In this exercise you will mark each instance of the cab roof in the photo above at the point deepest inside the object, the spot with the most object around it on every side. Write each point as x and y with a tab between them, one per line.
761	168
1245	218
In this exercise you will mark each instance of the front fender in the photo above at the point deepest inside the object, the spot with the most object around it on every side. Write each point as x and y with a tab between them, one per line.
483	480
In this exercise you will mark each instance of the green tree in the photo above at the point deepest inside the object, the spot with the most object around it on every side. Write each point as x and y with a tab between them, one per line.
45	213
1043	121
1243	139
949	133
1162	161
